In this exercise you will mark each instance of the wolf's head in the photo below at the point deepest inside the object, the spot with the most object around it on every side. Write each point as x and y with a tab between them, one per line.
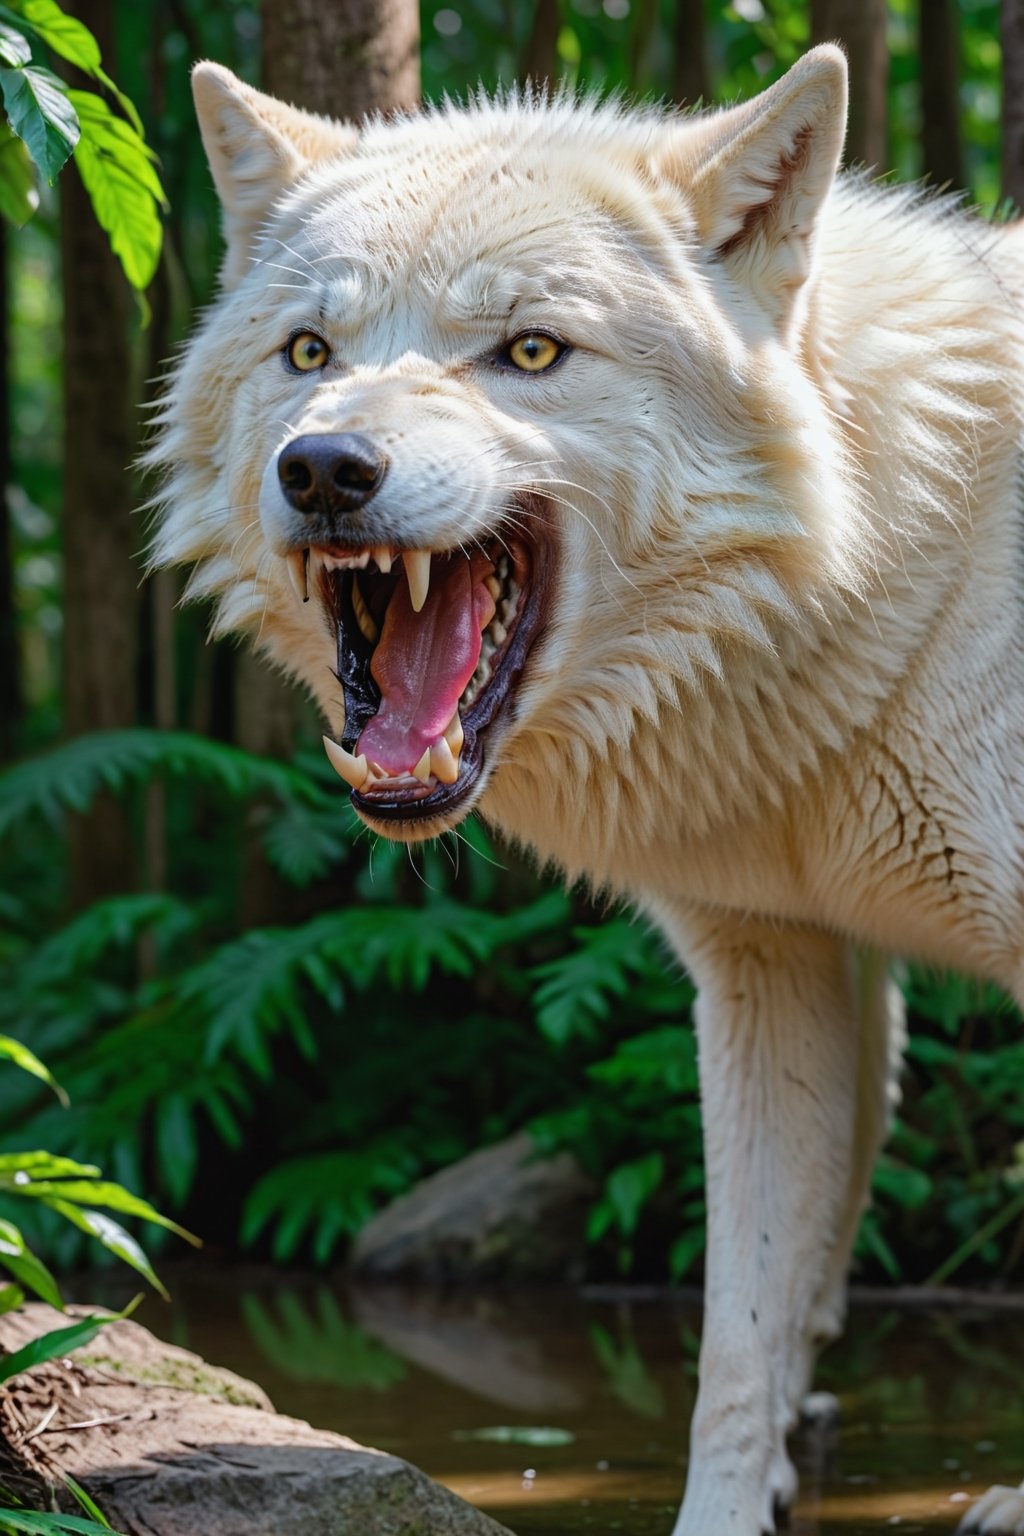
502	431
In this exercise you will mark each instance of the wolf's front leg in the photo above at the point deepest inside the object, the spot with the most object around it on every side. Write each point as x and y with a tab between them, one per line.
777	1023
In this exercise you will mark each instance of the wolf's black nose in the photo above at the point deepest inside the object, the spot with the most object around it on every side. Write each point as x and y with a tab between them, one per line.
328	472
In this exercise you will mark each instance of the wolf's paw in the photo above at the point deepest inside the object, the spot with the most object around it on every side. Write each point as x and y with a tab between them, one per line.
1000	1512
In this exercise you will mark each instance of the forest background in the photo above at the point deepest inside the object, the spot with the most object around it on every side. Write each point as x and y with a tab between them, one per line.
267	1022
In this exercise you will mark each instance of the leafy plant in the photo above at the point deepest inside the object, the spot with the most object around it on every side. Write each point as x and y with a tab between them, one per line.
75	1192
46	122
433	1007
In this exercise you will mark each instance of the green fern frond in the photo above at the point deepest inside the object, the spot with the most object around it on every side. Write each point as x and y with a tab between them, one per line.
69	777
323	1198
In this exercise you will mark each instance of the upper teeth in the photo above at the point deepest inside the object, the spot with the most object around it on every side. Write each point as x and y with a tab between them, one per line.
296	564
417	574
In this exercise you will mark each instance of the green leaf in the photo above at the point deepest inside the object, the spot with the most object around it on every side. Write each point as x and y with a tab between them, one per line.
18	1258
13	1050
176	1144
19	196
88	1504
72	40
50	1346
24	1521
39	111
14	47
11	1297
117	171
100	1192
910	1188
112	1236
630	1186
685	1251
41	1165
333	1193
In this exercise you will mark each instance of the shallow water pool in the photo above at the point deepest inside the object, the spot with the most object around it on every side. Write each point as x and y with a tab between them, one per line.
560	1414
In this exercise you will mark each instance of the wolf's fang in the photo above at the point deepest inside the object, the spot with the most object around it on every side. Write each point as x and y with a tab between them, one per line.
442	762
417	574
354	770
422	769
454	735
296	564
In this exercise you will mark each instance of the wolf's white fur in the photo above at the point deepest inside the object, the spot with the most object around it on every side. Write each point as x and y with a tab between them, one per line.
779	703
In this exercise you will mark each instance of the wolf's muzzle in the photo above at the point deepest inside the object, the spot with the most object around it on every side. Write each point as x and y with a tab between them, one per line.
330	473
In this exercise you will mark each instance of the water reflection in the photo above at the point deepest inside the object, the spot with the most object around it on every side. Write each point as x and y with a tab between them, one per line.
562	1416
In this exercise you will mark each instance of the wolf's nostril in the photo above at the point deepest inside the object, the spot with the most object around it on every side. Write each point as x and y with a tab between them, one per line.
329	474
356	474
295	475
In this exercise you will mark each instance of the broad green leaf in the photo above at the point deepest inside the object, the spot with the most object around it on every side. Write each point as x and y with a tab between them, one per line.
64	34
113	1237
42	1165
100	1192
125	191
11	1297
19	196
24	1521
39	111
19	1259
72	40
13	1050
50	1346
14	47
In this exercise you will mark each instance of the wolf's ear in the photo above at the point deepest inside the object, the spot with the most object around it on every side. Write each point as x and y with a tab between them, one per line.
256	147
757	175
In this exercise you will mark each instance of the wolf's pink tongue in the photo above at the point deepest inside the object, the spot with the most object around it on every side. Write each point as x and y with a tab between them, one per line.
422	663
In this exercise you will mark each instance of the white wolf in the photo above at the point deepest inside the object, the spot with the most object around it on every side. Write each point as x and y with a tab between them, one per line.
657	493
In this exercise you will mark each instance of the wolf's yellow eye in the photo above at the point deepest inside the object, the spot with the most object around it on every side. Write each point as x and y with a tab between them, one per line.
307	352
533	352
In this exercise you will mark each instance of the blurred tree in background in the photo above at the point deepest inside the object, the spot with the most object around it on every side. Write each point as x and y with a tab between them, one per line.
264	1019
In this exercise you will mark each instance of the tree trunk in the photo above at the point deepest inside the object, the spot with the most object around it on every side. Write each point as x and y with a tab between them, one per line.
540	56
101	603
859	25
942	152
345	59
10	662
690	80
1012	30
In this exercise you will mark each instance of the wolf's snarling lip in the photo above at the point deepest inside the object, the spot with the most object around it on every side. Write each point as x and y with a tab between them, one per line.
430	649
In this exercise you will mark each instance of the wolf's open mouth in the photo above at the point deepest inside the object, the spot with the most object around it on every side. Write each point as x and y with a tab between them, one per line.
431	647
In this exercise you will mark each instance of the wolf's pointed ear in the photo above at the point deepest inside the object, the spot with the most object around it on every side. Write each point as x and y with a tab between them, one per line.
757	175
256	147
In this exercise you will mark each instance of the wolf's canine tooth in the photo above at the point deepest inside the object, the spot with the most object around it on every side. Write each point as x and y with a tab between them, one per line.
454	735
417	574
354	770
442	762
296	564
422	769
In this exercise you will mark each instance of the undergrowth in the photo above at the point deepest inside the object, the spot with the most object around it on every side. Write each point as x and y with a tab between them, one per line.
274	1085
